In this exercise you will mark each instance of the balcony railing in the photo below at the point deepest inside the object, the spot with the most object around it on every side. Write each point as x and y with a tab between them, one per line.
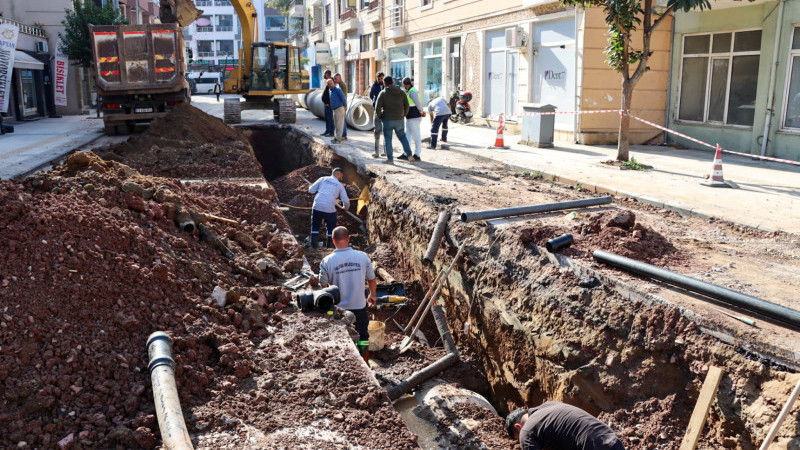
205	54
316	29
374	4
224	27
222	3
204	2
208	29
33	30
396	16
348	14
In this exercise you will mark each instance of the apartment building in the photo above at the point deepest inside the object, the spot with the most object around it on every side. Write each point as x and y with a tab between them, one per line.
735	77
350	33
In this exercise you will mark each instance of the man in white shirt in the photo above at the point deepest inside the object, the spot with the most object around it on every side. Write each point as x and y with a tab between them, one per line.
440	113
328	190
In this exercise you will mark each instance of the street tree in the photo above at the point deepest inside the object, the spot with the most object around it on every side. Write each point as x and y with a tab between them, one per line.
76	41
624	17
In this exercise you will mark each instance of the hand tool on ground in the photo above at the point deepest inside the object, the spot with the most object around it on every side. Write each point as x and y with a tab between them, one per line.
406	343
750	322
431	288
391	301
298	281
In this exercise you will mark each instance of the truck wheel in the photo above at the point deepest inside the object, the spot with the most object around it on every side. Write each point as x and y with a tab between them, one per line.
285	110
111	130
232	110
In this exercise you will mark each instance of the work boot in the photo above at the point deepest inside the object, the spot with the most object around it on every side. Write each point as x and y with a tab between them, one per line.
433	141
314	241
444	135
377	153
330	242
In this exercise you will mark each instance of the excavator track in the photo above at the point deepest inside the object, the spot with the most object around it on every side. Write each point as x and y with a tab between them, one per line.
285	110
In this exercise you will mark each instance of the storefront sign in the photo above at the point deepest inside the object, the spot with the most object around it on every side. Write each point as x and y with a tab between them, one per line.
8	44
62	69
553	75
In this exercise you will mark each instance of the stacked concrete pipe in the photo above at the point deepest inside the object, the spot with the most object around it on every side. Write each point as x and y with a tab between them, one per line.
359	109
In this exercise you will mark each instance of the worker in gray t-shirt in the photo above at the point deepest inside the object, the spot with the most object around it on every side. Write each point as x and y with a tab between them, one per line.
349	269
559	426
328	190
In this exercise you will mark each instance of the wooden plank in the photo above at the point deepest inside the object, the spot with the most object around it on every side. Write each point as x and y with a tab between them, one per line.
707	395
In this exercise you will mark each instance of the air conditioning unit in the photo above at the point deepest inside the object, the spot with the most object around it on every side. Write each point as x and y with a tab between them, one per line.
41	46
516	37
380	54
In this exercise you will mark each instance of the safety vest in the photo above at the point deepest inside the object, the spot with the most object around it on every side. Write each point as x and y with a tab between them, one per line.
408	94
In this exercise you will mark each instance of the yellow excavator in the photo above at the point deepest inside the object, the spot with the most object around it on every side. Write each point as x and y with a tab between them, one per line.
266	70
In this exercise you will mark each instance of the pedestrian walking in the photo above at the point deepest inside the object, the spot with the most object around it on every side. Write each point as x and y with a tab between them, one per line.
414	117
339	107
391	107
326	100
217	89
558	426
439	111
375	90
349	269
328	190
339	82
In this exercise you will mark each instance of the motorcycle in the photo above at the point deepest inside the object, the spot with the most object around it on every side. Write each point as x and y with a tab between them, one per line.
459	105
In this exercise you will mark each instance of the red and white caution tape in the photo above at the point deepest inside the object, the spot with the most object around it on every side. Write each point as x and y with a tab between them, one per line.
553	113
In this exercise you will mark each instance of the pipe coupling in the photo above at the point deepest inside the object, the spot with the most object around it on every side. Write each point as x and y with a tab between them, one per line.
159	351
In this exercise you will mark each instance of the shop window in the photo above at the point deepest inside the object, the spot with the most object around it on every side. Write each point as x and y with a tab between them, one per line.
719	77
792	108
431	85
401	62
29	103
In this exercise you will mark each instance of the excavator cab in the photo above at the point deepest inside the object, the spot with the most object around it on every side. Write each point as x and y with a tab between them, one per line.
275	69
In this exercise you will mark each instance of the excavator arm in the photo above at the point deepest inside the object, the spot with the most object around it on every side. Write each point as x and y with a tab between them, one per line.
246	11
182	12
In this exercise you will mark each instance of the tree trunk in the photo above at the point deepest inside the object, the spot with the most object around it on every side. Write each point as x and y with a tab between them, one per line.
623	141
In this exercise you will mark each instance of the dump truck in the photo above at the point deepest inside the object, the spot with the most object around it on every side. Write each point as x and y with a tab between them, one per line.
139	72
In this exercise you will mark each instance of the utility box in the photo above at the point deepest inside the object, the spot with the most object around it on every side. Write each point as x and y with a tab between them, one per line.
538	129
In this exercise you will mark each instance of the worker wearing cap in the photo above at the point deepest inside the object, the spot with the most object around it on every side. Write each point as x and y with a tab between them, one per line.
327	190
558	426
349	269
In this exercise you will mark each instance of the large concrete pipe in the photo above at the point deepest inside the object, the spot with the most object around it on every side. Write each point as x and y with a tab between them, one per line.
359	110
315	105
785	316
165	394
301	100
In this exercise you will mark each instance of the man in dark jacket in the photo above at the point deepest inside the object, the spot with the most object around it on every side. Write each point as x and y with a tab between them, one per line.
558	426
326	100
392	107
375	90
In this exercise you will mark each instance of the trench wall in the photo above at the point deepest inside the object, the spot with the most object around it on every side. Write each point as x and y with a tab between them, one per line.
546	333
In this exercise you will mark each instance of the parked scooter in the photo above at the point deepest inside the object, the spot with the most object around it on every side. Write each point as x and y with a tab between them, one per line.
459	105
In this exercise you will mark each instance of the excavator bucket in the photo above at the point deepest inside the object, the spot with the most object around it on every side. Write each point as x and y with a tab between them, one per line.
181	11
363	199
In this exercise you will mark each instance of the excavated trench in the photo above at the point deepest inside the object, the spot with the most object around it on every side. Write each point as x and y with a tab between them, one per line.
549	328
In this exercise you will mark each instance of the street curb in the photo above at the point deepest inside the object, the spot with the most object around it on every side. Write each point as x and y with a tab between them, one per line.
602	189
49	162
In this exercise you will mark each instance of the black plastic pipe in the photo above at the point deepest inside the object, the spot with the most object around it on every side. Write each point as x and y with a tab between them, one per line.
786	316
522	210
439	365
556	244
436	238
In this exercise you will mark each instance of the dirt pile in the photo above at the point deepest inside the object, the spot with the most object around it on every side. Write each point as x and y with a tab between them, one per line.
93	262
188	143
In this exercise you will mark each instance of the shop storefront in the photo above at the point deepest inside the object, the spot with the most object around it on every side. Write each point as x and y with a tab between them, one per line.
554	68
430	85
28	97
502	68
401	62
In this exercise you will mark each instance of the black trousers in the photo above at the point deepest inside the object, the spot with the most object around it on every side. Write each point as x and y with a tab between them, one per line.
362	323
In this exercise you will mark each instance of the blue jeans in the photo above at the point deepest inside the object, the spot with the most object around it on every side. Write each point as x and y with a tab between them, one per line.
316	222
437	121
329	128
398	126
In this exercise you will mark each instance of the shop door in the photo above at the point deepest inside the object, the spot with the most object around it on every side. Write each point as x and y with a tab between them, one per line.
554	68
501	76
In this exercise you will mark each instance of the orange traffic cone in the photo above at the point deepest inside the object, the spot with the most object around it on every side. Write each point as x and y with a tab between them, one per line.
498	141
716	179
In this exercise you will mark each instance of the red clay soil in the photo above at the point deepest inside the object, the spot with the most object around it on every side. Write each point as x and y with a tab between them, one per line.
188	143
91	266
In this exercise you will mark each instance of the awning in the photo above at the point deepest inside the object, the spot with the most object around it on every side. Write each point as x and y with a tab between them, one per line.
23	60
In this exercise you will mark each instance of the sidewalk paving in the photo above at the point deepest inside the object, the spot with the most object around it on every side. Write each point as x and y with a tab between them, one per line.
34	144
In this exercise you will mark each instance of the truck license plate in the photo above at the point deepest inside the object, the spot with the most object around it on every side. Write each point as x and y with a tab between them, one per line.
142	110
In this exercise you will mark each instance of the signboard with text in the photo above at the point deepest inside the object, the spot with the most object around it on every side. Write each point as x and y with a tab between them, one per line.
62	70
8	45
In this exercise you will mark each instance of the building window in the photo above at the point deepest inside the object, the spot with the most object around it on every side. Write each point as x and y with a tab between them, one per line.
365	4
792	108
328	14
204	24
425	4
274	23
225	48
376	39
225	23
401	62
431	85
366	39
719	77
205	49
